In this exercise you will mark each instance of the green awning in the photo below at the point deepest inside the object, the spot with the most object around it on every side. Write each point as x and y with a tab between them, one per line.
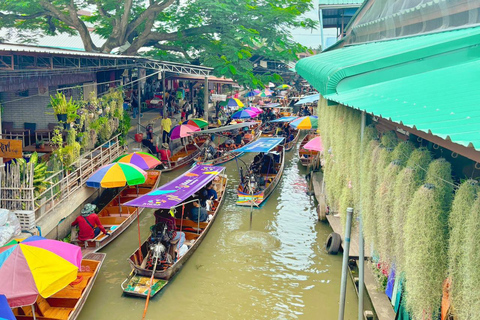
430	82
339	2
325	70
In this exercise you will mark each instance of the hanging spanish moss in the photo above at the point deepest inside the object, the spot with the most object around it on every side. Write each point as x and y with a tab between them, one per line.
406	183
369	186
469	305
384	208
461	209
439	173
389	139
425	254
346	200
403	151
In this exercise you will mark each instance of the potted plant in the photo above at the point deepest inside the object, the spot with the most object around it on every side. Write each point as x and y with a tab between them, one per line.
40	144
58	103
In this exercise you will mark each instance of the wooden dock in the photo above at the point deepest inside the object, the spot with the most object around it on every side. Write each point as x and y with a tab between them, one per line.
381	303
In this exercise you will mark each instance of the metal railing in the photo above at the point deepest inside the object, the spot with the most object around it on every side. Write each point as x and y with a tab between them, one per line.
65	183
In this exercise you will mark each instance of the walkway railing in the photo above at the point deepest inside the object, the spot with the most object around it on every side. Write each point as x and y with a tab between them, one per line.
64	184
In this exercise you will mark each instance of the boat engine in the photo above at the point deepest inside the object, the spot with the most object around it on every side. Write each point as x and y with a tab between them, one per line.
251	183
159	246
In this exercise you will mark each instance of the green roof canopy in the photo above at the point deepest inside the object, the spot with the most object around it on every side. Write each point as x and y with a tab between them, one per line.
429	82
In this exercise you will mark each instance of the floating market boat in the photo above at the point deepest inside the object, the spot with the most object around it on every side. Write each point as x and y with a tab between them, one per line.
67	303
222	154
290	144
307	157
184	155
174	198
115	216
263	174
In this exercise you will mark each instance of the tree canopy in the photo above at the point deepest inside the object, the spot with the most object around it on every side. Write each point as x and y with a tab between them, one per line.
222	34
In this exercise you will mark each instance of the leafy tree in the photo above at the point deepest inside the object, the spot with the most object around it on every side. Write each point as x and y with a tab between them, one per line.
223	34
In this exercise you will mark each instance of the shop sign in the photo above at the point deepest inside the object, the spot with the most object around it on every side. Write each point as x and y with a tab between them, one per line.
10	148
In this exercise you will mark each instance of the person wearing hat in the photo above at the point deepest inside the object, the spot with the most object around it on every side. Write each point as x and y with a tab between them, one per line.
88	223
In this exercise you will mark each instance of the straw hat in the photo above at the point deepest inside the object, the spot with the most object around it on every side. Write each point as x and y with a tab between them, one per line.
165	145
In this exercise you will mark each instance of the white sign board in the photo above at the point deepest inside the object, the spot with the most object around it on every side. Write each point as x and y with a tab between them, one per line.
218	97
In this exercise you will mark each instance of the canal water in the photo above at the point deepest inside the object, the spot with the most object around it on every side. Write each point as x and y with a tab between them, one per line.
278	269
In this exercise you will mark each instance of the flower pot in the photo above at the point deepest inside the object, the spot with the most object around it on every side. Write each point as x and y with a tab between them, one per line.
67	126
77	121
62	117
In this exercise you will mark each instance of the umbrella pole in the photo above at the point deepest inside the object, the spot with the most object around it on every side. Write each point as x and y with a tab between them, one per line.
251	209
33	312
139	238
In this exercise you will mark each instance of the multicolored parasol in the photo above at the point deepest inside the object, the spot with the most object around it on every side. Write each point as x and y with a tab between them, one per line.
315	144
37	266
250	94
196	123
306	123
265	93
234	102
182	131
283	86
244	114
255	109
143	160
117	175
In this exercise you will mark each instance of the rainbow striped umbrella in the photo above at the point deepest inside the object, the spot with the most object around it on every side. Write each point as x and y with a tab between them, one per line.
234	102
265	93
36	266
116	175
5	311
196	123
306	123
143	160
182	131
283	86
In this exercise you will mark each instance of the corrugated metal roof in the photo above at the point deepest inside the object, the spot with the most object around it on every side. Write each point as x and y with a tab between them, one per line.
325	70
444	102
427	82
8	47
325	4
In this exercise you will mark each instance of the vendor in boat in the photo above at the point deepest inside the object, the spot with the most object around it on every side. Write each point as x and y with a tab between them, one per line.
88	223
291	137
165	153
177	237
239	139
198	213
268	164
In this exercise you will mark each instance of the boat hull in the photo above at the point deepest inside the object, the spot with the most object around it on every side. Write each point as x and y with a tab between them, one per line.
136	259
307	157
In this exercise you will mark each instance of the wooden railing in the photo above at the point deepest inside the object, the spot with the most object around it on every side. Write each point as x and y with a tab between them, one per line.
64	184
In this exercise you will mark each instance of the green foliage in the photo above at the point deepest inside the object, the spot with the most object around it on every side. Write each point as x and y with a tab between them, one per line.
467	298
61	105
224	35
369	187
439	174
425	252
460	214
419	160
389	139
402	152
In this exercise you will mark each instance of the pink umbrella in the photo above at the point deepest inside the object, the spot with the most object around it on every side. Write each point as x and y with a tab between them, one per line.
255	109
315	144
182	131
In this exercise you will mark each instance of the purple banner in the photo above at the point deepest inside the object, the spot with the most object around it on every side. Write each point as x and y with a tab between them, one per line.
176	191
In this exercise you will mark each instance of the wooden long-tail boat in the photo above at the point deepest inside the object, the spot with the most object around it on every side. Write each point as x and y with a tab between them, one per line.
262	181
290	144
68	302
115	217
184	155
194	231
307	157
223	154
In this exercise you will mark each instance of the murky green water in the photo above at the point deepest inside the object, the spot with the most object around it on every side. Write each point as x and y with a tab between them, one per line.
277	270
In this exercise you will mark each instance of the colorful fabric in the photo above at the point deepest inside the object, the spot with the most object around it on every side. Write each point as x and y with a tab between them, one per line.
178	190
315	144
305	123
390	283
182	131
143	160
234	102
5	311
402	313
116	175
261	145
166	124
244	114
397	292
37	266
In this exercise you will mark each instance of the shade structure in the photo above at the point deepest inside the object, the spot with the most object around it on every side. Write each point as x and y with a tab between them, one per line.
250	94
142	160
255	109
182	131
271	85
234	102
223	103
196	123
308	99
37	266
244	114
116	175
315	144
283	86
5	311
265	93
305	123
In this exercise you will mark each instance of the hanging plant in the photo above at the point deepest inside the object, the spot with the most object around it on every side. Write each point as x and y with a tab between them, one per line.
406	183
439	173
425	244
384	208
468	306
403	151
461	208
389	139
369	186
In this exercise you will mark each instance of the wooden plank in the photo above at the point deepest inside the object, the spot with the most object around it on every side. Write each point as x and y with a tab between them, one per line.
381	303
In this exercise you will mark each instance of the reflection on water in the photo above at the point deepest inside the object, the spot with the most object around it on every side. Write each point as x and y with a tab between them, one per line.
276	270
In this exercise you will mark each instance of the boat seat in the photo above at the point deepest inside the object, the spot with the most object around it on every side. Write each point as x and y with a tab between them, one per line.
74	291
43	308
112	221
190	223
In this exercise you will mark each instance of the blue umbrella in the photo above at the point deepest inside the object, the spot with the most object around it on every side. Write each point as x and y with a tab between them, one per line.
5	311
244	114
250	94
